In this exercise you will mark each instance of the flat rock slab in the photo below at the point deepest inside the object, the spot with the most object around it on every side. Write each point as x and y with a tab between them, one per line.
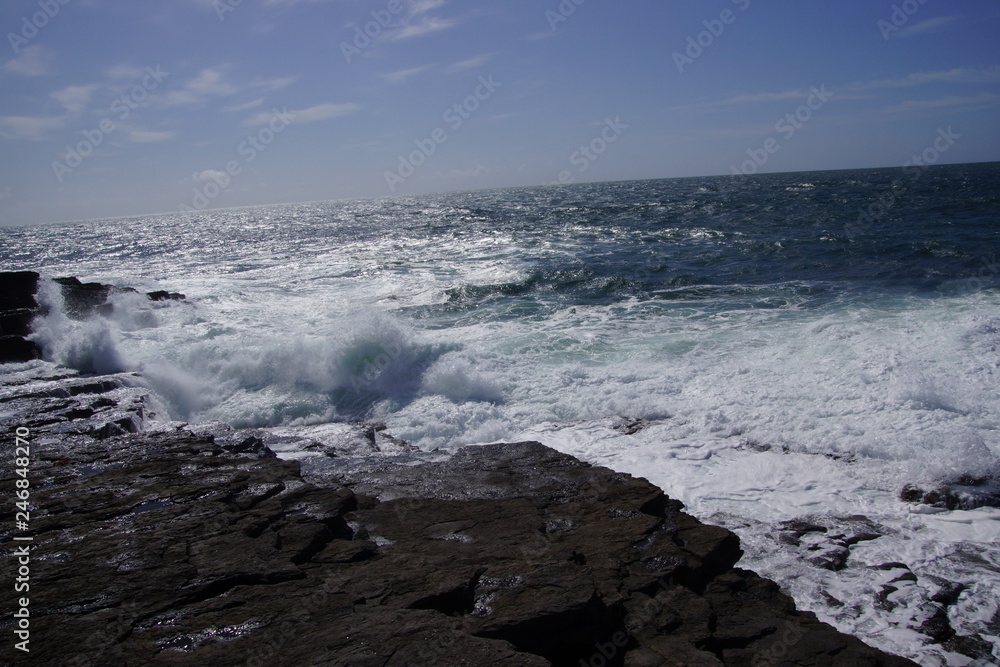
170	549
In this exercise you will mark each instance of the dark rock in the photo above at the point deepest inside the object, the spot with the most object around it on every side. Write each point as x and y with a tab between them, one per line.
949	593
163	295
16	348
964	494
17	322
81	300
17	290
63	403
168	549
938	627
797	528
629	426
17	310
973	647
827	546
891	566
252	445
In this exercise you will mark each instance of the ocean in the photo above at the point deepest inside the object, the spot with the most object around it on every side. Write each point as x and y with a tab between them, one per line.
767	349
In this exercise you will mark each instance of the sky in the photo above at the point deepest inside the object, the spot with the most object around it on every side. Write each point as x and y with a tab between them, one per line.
112	108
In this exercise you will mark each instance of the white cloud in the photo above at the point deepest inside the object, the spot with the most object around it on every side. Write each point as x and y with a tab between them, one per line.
957	75
253	104
208	84
270	85
984	100
427	26
851	91
471	63
404	74
290	3
74	98
421	6
138	137
310	115
123	72
479	170
213	82
27	127
209	175
930	25
33	61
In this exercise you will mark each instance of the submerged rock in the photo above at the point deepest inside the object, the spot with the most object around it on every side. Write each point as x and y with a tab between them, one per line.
964	494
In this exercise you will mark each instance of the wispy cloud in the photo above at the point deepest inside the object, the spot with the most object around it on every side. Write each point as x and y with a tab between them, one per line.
208	175
271	85
471	63
123	72
140	137
755	130
210	82
755	98
310	115
74	98
421	6
29	127
978	101
252	104
928	26
404	74
33	61
426	26
215	82
960	75
957	75
478	170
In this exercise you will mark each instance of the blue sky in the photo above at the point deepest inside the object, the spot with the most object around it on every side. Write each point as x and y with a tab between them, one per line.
113	108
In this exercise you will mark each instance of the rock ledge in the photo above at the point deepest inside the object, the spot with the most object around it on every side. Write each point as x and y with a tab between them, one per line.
170	549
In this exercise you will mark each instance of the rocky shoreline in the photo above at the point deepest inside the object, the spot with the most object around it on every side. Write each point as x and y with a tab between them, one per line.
156	542
167	548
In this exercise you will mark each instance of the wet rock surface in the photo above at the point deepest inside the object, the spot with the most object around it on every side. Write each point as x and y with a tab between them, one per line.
964	494
197	545
920	602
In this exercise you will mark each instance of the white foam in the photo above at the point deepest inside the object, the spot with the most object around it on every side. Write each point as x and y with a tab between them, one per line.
89	346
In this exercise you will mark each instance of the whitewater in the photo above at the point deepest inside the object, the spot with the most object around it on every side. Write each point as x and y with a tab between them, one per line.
755	346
